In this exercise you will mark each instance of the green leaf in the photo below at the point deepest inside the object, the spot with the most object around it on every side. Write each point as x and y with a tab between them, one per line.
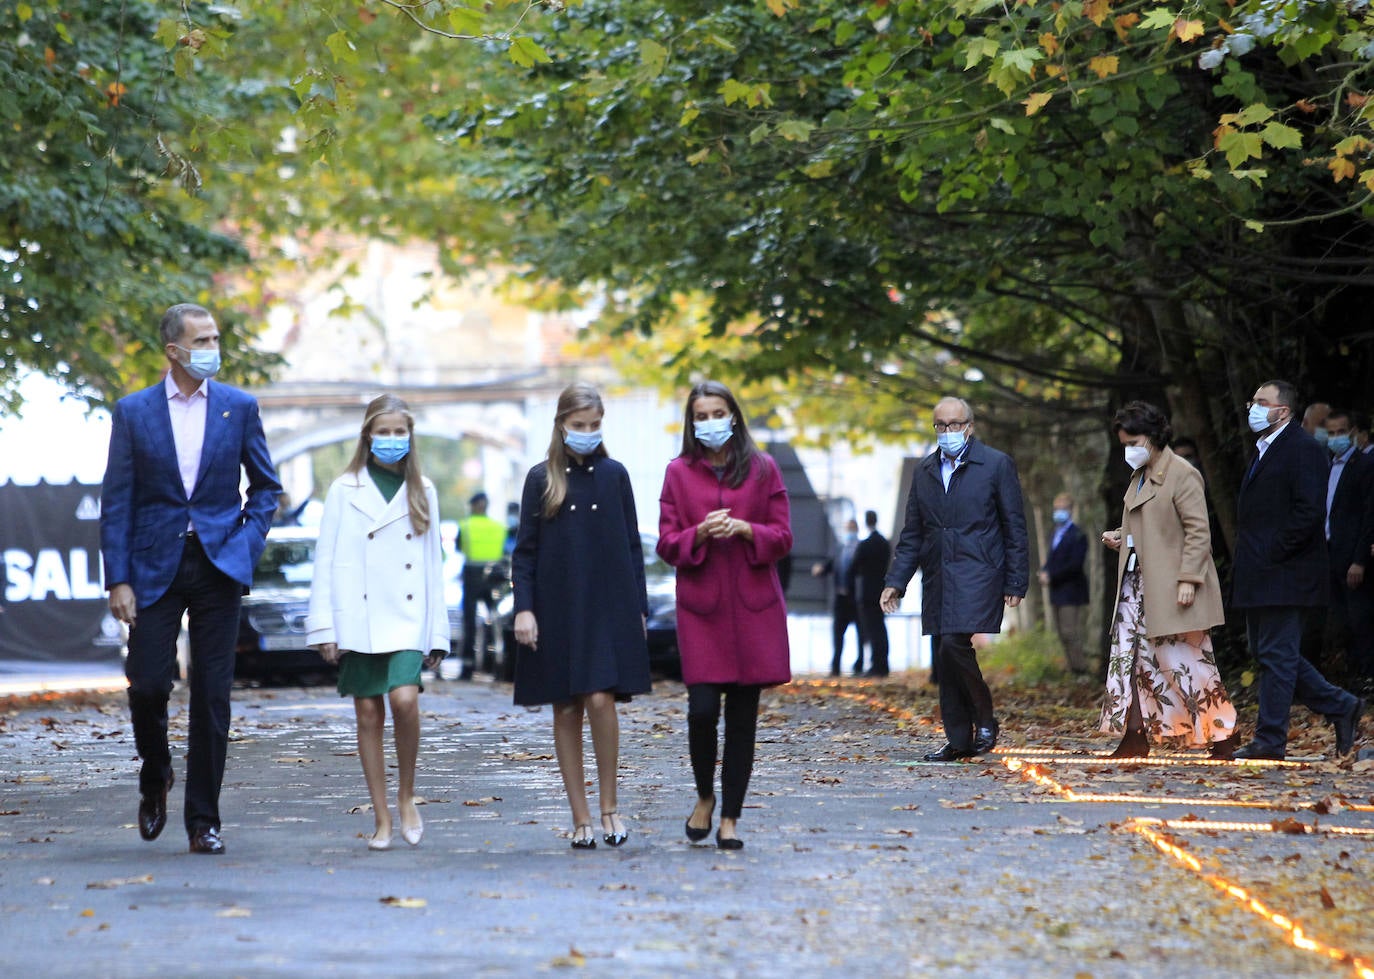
653	56
340	45
978	49
1002	125
796	130
526	53
734	91
464	20
1161	18
1281	137
1239	147
23	11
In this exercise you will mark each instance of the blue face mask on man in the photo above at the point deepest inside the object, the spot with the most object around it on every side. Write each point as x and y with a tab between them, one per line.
1062	516
1338	444
714	432
952	443
201	364
390	448
582	443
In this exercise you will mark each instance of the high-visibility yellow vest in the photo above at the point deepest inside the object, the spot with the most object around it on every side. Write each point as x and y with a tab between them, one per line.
483	539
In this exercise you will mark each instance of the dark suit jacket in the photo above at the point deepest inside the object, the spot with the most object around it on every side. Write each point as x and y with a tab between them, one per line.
1068	583
1280	555
1352	514
144	509
969	543
870	567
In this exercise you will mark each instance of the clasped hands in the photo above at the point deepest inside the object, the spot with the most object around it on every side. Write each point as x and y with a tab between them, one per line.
720	525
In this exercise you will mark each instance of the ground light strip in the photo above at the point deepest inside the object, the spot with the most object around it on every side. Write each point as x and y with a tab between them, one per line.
1146	828
1290	929
1032	773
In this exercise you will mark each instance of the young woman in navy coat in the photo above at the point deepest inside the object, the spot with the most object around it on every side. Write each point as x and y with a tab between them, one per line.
580	603
724	523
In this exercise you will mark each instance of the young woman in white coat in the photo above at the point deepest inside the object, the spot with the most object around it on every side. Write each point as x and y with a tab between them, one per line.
377	602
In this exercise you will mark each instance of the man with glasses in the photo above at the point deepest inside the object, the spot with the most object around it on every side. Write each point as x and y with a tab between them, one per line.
965	530
1280	571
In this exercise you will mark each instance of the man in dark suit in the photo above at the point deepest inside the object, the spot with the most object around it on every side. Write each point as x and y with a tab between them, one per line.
844	609
1063	572
965	530
871	559
1349	536
178	537
1280	570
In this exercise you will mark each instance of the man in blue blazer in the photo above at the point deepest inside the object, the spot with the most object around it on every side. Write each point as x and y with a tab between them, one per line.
178	538
1063	572
1280	571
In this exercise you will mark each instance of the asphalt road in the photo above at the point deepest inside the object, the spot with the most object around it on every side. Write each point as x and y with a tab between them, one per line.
858	859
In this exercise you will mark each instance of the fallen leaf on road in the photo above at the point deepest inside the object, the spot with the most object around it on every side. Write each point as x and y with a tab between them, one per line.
1289	825
234	913
485	800
1327	900
405	902
295	761
947	804
112	883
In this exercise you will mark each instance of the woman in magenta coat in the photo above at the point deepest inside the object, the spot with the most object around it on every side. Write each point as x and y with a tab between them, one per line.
723	523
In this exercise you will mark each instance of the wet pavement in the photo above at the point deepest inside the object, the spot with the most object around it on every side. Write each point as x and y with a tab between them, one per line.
858	859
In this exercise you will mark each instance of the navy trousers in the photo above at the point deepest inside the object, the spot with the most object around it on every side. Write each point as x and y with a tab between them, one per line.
1275	637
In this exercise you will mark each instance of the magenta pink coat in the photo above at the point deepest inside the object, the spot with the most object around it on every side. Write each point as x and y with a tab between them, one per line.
731	618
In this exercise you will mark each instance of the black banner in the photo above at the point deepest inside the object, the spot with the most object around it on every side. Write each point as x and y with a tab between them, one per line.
53	606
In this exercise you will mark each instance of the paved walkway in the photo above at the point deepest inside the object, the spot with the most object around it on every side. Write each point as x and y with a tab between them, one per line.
859	859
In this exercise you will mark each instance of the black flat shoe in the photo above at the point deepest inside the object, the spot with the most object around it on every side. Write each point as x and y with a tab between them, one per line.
1254	752
985	739
728	842
612	837
580	842
698	833
949	753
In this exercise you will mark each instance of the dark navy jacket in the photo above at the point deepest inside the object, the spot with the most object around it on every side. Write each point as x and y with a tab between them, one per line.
1068	583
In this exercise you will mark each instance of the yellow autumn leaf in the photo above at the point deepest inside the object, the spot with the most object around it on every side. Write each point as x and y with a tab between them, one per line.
1103	65
1187	30
1049	42
1036	102
1096	10
1367	178
1341	168
1053	70
1124	23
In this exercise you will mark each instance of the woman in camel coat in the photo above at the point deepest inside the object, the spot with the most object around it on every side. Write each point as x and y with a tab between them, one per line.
1162	680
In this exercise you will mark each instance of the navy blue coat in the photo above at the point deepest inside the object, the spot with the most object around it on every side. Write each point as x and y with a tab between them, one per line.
969	543
1280	553
1064	566
1352	515
582	575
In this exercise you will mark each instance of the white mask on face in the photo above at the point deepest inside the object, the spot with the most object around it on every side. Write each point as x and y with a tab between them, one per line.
1258	418
1137	456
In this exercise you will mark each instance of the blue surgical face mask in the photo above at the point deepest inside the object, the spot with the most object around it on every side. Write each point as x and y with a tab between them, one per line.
1062	516
201	364
1320	435
714	432
952	443
390	448
1258	419
582	443
1338	444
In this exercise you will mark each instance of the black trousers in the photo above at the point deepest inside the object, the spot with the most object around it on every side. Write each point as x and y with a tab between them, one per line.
965	700
846	615
211	599
873	631
475	589
741	721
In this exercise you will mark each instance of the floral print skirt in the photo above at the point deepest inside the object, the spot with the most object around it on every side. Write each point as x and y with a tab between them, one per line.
1183	702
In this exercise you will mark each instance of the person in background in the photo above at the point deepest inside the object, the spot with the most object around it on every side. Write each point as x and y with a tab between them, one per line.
581	604
724	521
1314	420
965	531
871	561
1186	449
1359	422
179	538
1063	573
1163	685
482	539
377	601
512	526
1349	537
1281	570
844	609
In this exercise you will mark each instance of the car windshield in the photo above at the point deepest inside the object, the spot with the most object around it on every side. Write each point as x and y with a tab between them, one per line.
285	564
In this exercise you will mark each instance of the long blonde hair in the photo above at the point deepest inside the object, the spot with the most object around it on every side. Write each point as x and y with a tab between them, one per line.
575	397
415	486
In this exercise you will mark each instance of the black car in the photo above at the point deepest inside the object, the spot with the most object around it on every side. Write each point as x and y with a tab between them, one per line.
272	637
661	585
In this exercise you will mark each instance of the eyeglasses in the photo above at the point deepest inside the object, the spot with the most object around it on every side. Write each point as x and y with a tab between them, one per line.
1262	404
941	427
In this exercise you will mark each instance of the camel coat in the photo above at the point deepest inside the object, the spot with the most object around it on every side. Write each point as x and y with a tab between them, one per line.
1167	519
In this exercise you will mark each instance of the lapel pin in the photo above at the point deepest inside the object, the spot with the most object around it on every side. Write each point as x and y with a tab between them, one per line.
225	415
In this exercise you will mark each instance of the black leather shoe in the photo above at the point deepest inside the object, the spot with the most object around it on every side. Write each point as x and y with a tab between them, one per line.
698	833
728	842
207	841
985	739
152	810
1253	752
1348	727
949	753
